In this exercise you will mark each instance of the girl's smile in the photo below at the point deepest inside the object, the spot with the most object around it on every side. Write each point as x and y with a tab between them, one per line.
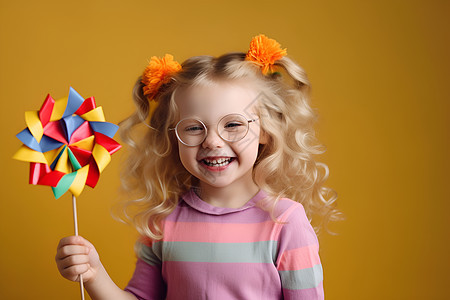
216	164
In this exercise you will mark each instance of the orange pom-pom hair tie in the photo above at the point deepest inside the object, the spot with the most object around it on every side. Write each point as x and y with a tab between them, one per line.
265	52
157	73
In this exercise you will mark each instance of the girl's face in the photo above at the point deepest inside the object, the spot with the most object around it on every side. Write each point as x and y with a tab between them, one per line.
217	162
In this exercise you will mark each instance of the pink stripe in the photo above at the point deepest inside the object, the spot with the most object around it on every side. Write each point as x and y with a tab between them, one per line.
220	233
221	281
300	258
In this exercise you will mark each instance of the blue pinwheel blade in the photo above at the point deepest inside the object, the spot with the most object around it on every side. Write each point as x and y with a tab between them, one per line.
73	102
106	128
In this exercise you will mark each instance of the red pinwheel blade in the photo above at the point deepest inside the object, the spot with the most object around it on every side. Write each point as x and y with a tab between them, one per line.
46	110
42	174
93	175
107	142
88	105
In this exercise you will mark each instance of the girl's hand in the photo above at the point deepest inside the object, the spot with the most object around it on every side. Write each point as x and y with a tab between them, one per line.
75	256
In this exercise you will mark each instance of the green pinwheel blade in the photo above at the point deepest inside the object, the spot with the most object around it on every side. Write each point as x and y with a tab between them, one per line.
64	184
75	164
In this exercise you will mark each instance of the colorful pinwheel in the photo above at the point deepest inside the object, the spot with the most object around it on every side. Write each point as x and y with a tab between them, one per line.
68	143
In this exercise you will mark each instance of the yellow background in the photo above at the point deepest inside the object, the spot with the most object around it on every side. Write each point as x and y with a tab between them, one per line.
379	71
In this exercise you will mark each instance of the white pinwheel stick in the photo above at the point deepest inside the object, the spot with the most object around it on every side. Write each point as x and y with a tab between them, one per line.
75	224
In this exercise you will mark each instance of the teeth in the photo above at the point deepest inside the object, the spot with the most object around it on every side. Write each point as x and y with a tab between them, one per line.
217	162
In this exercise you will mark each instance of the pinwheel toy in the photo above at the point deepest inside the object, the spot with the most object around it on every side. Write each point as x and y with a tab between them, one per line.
68	144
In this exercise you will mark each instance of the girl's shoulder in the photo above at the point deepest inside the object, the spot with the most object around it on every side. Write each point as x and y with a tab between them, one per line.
296	227
287	208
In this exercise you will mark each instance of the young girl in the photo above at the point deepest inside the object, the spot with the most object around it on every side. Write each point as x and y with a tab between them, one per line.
224	183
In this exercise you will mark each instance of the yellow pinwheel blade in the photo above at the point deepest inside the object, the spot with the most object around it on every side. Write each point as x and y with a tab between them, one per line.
26	154
86	144
101	156
34	124
63	164
58	109
95	115
51	155
79	182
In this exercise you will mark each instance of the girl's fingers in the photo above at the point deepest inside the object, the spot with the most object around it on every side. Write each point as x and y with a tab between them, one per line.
72	240
73	272
69	250
71	245
73	260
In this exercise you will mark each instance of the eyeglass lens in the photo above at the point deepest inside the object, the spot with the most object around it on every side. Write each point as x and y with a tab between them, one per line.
231	128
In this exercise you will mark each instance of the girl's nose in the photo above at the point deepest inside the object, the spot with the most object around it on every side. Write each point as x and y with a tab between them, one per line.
212	140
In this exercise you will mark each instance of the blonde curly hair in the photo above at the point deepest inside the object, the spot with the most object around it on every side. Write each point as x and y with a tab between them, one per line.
154	176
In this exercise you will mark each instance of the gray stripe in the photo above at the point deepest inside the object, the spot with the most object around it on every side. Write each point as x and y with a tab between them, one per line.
146	254
257	252
302	279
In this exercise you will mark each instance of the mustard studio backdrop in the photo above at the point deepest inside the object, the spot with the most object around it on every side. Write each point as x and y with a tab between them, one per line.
379	72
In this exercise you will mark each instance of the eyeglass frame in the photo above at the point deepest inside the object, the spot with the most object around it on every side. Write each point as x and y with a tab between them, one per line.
206	129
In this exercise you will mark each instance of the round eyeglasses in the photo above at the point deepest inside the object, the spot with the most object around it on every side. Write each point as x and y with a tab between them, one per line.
231	128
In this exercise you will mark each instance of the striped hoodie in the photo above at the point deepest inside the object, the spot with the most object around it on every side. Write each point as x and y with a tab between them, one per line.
221	253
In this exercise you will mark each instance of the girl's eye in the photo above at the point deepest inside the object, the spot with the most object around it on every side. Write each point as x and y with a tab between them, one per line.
193	129
232	125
